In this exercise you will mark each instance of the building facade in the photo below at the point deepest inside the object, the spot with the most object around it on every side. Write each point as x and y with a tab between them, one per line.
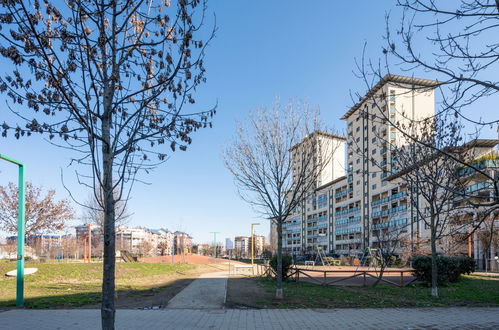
345	210
339	216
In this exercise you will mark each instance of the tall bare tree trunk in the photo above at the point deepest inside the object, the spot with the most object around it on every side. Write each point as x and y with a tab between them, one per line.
278	286
434	266
108	283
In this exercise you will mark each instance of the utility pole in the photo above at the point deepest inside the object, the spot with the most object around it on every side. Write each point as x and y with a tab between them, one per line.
253	242
21	210
215	245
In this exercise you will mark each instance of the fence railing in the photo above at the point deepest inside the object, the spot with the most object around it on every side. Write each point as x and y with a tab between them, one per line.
324	279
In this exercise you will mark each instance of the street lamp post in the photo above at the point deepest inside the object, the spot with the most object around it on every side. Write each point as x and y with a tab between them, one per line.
215	245
253	242
21	209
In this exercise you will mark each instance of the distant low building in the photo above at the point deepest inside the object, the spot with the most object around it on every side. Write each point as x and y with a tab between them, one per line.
183	242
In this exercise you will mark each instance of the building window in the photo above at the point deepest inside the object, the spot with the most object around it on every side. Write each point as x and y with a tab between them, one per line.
374	151
373	140
358	182
374	175
374	187
373	129
358	160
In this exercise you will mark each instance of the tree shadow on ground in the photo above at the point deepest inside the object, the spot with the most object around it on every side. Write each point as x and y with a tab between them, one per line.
153	297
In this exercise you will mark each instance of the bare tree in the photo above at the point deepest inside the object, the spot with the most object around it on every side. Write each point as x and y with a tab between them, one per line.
94	210
462	49
488	234
460	52
113	80
390	238
43	212
432	179
276	159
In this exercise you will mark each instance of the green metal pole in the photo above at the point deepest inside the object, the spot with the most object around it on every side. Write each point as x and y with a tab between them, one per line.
21	210
215	246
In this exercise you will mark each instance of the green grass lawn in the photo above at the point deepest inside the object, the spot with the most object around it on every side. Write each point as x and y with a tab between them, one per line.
78	284
471	291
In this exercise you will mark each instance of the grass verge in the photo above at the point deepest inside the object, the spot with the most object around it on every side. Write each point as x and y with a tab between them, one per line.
72	285
472	290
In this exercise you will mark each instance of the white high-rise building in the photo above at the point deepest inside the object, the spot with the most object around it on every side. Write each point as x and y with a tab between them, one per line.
339	216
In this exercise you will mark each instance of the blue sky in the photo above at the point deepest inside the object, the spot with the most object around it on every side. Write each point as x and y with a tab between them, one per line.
263	49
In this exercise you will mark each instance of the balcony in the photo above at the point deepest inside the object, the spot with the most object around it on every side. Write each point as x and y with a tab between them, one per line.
391	223
389	211
480	165
479	186
347	211
347	230
347	220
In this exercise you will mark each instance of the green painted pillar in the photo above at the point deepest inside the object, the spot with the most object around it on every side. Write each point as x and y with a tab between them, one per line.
21	210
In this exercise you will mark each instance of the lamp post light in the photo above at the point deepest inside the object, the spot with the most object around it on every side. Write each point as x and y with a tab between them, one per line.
21	210
253	242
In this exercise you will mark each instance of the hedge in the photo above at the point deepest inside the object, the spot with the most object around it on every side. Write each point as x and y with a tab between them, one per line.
449	268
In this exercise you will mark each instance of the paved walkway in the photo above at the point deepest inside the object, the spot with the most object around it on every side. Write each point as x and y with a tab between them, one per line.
206	292
388	318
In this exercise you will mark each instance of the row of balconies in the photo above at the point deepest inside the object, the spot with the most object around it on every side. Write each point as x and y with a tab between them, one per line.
319	226
480	165
389	211
348	230
347	211
391	223
389	198
319	218
478	186
343	193
347	220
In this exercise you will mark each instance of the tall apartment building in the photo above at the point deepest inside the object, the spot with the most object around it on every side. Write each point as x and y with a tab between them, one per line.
241	246
307	228
339	216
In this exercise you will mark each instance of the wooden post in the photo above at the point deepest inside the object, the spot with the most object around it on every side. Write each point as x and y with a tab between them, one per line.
89	244
84	249
364	273
401	279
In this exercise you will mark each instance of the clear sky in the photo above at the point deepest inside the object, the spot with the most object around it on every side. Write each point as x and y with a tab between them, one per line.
263	49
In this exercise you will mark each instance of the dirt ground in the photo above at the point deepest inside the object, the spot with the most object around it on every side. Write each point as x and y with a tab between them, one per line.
187	258
243	292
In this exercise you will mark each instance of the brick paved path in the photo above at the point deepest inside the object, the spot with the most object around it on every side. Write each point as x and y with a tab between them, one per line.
388	318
